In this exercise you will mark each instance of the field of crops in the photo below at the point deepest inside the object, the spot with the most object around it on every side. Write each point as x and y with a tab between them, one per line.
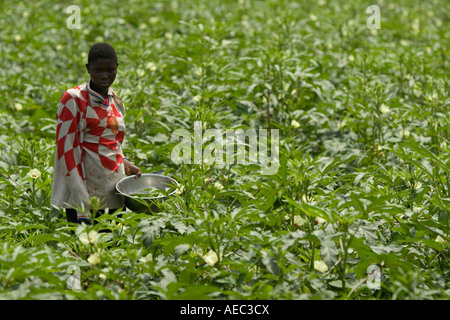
357	206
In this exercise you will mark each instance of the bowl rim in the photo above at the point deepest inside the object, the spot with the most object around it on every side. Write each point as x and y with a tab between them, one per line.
147	174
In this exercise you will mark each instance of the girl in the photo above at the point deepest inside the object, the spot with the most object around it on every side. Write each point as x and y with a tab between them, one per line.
89	135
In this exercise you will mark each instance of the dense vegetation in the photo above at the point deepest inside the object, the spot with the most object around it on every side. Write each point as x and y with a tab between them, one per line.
364	177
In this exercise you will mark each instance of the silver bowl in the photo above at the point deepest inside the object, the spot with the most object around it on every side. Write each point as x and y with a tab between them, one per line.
129	186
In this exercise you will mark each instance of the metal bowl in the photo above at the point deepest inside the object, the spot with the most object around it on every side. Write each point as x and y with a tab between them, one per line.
130	185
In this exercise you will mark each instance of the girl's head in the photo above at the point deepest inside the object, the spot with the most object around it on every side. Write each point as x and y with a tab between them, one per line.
102	66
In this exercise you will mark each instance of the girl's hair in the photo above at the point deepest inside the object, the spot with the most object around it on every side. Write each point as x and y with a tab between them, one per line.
101	51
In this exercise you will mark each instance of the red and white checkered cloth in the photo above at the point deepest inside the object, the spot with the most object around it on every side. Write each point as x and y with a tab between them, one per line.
88	158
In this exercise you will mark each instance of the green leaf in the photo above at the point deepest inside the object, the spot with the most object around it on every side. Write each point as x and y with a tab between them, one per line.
41	238
271	263
328	251
149	235
179	225
181	249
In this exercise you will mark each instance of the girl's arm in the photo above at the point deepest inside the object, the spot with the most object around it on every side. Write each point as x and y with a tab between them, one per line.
131	169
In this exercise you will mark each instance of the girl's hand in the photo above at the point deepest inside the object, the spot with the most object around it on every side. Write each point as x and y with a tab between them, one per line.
131	169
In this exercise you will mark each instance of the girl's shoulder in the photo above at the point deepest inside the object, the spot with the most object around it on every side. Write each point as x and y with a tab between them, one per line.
75	98
79	91
76	93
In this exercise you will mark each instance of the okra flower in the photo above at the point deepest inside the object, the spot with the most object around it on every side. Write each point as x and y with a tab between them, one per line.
321	266
384	108
34	173
90	237
210	258
94	259
295	124
151	66
218	185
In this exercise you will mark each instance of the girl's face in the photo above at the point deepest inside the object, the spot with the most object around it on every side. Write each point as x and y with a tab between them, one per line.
102	72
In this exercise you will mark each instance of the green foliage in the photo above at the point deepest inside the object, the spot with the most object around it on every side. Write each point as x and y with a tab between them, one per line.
364	177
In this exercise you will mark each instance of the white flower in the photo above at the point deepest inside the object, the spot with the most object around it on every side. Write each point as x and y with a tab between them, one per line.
341	124
313	17
218	185
180	189
416	209
34	173
168	35
432	97
199	71
299	221
440	239
151	66
295	124
154	20
210	258
18	106
384	108
121	226
94	259
320	220
321	266
17	37
147	258
197	98
140	72
405	133
89	237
